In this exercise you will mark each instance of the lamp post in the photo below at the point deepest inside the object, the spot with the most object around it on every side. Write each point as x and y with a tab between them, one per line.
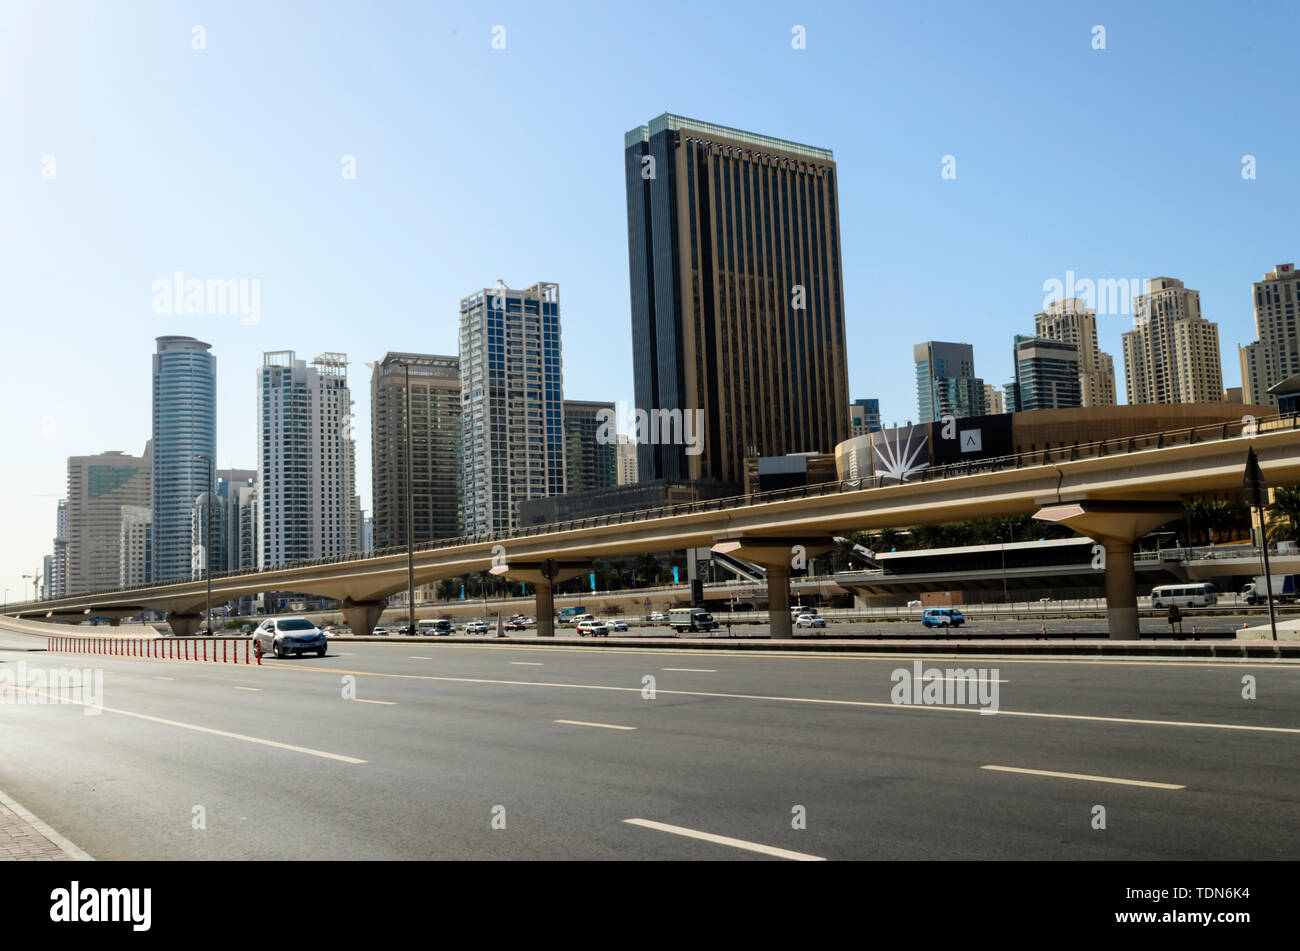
32	578
207	543
1005	597
410	504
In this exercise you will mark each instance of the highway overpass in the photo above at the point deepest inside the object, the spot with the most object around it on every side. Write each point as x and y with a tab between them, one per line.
1114	491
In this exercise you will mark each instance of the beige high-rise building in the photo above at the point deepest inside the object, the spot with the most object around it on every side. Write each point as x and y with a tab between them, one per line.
1172	353
98	487
1071	322
992	400
435	447
133	545
1275	354
626	460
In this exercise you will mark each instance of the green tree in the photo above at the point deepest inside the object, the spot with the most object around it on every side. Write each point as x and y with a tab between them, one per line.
1284	514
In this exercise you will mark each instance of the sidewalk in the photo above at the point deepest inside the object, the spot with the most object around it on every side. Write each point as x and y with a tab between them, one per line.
19	841
24	838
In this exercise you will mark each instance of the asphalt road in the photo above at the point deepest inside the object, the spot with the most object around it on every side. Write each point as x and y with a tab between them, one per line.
444	738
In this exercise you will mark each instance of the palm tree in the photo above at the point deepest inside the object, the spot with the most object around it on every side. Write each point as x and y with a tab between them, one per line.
1284	514
1214	516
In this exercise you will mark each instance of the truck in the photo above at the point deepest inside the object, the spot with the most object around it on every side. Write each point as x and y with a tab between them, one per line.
1285	588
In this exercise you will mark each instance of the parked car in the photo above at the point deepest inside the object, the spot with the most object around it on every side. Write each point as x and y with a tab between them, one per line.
592	627
657	617
289	635
942	617
380	632
810	620
407	630
913	604
514	624
616	625
476	627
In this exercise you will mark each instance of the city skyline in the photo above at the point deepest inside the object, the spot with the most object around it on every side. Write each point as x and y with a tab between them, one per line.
900	227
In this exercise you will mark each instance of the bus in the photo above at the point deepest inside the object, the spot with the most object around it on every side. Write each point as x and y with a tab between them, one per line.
1184	595
571	615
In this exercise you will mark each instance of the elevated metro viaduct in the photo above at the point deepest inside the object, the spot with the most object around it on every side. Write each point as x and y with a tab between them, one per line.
1114	498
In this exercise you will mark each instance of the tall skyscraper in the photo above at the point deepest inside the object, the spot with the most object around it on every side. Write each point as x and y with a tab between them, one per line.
435	443
737	299
588	462
627	472
134	537
1047	374
946	383
305	457
98	487
1172	353
993	400
1071	322
864	417
512	392
1275	354
184	427
58	586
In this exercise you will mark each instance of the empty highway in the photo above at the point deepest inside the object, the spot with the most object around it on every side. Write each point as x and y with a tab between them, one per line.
491	751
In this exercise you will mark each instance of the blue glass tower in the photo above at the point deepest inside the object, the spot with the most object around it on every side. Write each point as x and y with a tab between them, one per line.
184	428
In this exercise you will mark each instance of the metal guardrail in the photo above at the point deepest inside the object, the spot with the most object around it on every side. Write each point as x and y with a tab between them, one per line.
1215	432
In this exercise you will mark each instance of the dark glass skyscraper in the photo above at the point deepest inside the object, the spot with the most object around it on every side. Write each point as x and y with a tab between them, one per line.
737	299
184	427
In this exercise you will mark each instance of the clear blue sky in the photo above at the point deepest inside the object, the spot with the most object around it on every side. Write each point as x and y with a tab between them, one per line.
475	164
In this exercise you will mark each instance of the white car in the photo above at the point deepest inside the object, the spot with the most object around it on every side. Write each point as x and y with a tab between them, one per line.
380	632
913	604
810	620
616	625
658	617
476	627
594	628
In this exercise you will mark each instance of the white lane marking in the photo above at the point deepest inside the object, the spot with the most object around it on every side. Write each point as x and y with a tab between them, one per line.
386	703
726	840
526	663
207	729
1094	779
694	670
253	689
62	842
164	678
606	726
418	657
936	708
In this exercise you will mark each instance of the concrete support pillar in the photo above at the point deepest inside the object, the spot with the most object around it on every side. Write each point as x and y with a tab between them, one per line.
778	601
1121	591
362	616
545	608
184	625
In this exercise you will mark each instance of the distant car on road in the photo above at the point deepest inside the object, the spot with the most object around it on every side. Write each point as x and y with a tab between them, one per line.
594	628
616	625
476	627
290	635
942	617
810	620
913	604
657	617
514	624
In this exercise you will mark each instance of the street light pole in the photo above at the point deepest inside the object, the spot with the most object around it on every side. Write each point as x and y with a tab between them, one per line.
207	543
1005	596
33	580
